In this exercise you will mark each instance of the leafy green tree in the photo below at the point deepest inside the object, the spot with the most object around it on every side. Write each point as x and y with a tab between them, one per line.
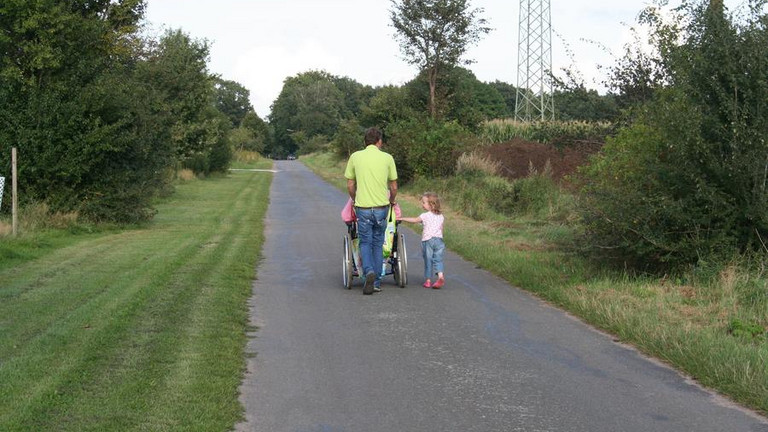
242	139
472	101
92	135
177	66
462	97
688	180
233	100
638	73
389	105
311	103
585	104
355	96
508	92
348	139
574	101
258	131
434	35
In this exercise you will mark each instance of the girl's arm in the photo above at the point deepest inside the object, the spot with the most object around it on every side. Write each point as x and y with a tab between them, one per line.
410	219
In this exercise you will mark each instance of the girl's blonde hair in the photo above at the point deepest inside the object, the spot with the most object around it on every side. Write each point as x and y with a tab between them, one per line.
433	200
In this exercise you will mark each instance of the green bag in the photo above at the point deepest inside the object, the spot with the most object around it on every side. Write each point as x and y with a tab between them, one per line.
389	232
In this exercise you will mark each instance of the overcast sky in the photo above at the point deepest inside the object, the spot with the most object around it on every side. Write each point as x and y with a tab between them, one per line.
259	43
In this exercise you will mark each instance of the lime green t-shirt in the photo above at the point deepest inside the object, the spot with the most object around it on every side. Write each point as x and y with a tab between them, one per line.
372	170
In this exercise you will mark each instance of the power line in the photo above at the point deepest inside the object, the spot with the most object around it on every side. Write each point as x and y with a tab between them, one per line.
534	62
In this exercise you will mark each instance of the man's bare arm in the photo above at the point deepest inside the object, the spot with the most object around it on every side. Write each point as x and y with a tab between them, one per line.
351	189
392	191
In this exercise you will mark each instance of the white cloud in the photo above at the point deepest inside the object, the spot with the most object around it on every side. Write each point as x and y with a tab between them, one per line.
262	69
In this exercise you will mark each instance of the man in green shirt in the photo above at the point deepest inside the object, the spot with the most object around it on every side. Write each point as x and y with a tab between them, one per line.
372	184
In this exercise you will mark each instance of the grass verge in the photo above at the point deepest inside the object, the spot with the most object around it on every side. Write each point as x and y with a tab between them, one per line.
137	329
711	327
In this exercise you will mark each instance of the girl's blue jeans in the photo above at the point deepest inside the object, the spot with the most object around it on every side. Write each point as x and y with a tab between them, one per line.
432	250
371	224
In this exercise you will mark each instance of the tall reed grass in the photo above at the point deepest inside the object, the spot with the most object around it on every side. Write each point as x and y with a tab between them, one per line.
550	132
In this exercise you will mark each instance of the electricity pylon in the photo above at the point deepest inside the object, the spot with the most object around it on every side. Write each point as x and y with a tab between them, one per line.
534	63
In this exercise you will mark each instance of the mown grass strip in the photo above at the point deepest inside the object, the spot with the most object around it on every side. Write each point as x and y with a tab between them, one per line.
142	329
683	324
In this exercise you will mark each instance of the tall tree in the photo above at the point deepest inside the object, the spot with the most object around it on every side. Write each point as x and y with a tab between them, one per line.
309	102
178	69
435	34
233	99
509	93
253	134
94	133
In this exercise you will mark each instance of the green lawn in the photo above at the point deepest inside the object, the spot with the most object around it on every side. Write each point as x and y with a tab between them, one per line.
138	329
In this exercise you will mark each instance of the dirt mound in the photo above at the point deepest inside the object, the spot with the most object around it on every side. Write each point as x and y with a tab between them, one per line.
518	155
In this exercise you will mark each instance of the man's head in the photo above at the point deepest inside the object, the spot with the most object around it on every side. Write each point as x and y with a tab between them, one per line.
372	136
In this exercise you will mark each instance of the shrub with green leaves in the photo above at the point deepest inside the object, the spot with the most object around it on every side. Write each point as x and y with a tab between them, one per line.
688	181
426	148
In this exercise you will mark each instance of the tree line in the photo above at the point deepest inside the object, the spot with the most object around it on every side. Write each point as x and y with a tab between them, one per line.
103	115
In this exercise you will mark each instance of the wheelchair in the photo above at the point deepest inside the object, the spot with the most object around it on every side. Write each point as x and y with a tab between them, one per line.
395	264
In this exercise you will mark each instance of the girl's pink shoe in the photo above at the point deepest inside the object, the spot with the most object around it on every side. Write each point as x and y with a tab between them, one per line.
438	284
427	284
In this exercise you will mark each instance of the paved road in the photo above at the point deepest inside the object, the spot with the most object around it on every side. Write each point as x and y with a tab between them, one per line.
478	355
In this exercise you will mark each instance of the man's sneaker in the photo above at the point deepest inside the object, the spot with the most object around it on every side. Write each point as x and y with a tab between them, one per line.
376	289
438	284
370	279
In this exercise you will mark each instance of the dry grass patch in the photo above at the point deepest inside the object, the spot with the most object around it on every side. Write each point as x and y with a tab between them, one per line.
247	156
477	162
185	174
33	217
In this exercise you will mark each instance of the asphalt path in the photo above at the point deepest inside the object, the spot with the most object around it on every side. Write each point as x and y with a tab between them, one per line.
477	355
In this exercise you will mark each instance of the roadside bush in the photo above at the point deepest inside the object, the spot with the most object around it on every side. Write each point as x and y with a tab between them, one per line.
199	164
686	182
100	150
426	149
628	206
216	153
536	194
220	156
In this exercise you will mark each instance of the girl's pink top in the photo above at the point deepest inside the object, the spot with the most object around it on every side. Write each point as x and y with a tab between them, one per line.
432	225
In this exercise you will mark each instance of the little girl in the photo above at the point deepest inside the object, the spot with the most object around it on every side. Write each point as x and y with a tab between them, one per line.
432	245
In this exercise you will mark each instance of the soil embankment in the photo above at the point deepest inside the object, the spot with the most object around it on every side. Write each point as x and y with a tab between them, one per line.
518	156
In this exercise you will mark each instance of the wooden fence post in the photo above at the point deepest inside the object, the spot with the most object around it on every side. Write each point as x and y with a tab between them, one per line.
14	193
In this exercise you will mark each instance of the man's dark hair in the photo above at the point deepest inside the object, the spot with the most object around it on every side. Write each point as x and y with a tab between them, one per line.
372	136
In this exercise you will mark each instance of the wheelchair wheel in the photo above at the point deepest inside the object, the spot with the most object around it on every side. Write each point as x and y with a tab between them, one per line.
401	272
346	263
